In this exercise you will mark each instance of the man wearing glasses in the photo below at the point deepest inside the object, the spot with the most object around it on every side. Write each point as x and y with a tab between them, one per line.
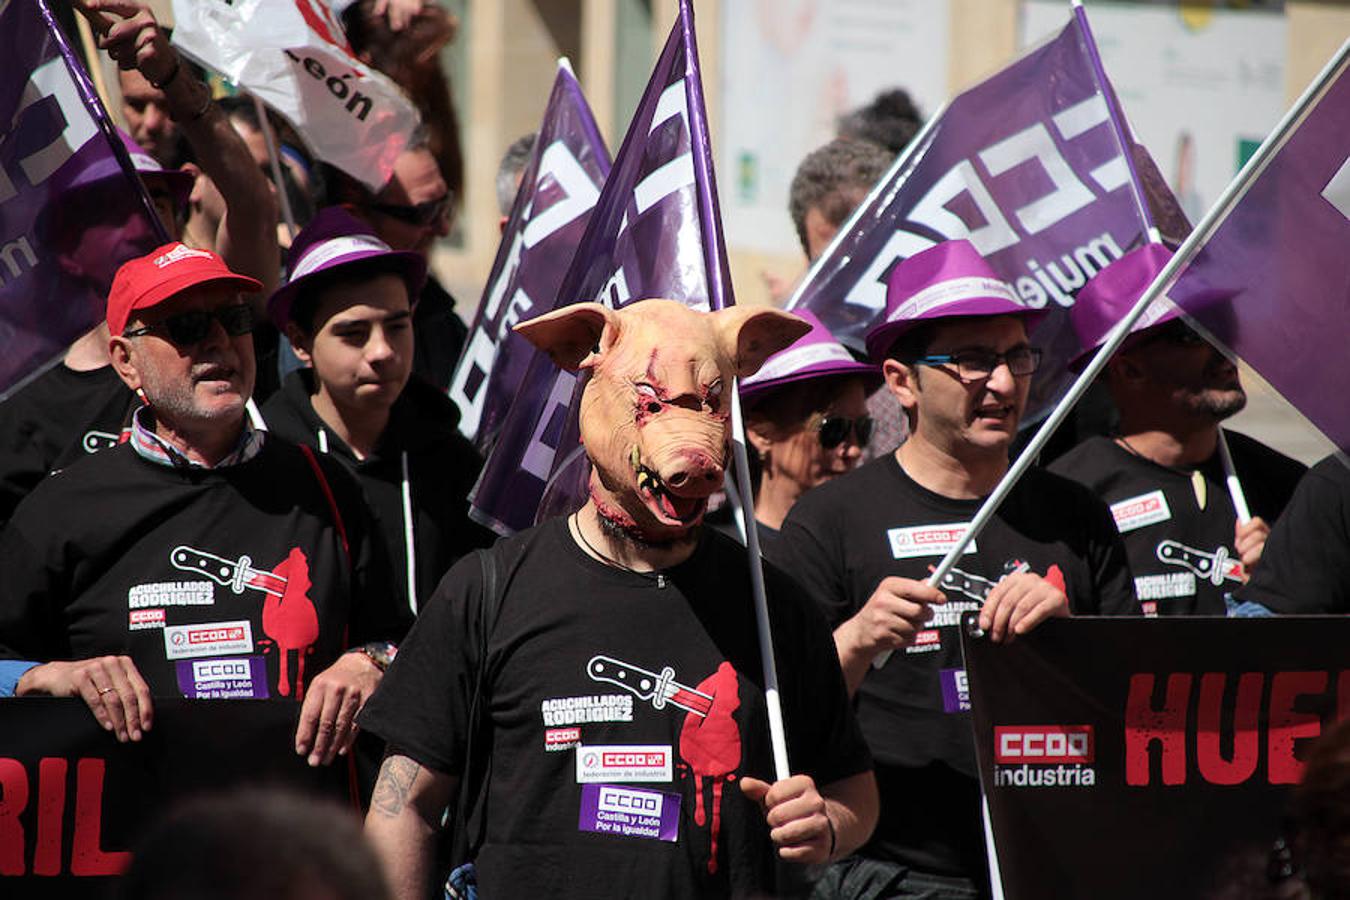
411	213
953	349
198	559
1161	472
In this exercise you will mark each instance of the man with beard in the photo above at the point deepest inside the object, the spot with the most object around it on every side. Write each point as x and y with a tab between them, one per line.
1162	472
201	544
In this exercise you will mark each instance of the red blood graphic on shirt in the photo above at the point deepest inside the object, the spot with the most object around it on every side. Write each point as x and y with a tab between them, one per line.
711	745
1055	577
291	620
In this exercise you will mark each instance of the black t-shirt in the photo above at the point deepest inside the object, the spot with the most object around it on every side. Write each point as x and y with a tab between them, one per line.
61	416
1305	567
1182	554
227	582
842	538
442	467
609	692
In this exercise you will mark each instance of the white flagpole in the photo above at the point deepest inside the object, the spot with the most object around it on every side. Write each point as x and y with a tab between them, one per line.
1161	284
265	125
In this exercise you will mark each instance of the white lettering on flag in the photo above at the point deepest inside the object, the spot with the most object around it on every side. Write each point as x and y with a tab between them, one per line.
1082	118
1035	143
932	210
579	193
538	459
1337	191
51	79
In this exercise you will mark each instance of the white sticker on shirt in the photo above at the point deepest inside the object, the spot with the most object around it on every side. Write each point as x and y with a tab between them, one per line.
927	540
1136	512
1163	587
559	711
624	762
171	593
926	642
142	619
209	639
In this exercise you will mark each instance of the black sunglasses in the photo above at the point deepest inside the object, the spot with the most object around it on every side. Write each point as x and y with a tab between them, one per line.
834	430
186	329
422	214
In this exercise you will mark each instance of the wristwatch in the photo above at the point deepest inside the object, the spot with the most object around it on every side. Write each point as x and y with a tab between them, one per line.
381	653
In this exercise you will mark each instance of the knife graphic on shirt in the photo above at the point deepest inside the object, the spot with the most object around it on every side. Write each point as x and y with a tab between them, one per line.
233	574
660	689
1213	567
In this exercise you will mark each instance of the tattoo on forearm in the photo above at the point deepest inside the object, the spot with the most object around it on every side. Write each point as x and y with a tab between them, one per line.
394	785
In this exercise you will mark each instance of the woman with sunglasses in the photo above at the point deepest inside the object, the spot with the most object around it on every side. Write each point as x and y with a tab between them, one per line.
806	421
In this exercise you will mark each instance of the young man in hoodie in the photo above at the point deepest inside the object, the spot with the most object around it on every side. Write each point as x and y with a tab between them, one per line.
347	313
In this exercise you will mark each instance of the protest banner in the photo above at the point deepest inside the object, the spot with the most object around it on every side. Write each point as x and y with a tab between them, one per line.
294	56
558	190
71	208
73	801
1126	758
1035	167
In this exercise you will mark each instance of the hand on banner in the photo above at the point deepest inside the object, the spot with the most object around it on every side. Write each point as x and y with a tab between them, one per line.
1249	540
328	715
111	686
400	12
798	821
1020	602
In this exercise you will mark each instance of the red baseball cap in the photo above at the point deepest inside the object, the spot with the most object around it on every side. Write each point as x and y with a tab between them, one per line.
151	279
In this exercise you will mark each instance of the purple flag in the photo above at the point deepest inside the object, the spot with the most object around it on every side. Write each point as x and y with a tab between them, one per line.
71	208
1272	282
654	232
1033	167
558	190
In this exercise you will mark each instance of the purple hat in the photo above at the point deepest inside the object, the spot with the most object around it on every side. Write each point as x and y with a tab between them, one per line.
336	238
815	355
1112	293
180	182
946	280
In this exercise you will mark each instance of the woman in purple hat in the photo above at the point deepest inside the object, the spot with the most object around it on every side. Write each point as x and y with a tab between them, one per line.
805	419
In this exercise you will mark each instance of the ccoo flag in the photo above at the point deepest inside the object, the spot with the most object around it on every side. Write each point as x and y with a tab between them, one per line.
558	190
655	232
71	208
294	56
1272	282
1035	167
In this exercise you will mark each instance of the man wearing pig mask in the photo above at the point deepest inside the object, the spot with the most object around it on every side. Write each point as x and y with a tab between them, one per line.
595	682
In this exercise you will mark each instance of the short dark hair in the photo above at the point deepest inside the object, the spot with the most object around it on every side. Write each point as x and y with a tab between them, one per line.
914	343
305	306
834	178
891	120
514	161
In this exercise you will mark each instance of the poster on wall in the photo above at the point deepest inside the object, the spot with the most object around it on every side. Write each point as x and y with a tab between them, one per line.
1201	87
789	69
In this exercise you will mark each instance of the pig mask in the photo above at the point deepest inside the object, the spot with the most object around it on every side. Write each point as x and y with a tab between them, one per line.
656	410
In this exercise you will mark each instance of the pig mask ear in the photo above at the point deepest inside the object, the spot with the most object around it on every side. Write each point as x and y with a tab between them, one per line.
748	335
572	334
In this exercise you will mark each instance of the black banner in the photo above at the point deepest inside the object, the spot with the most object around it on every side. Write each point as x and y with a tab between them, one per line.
1147	757
73	801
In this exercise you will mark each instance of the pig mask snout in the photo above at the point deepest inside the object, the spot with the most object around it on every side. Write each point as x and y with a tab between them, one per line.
655	411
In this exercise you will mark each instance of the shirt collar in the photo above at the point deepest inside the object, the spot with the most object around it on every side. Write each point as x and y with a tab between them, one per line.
152	447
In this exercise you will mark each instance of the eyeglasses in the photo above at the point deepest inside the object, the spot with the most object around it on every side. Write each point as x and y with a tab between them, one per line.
834	430
977	365
423	214
186	329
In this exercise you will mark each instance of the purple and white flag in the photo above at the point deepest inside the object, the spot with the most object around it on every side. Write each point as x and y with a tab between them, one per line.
71	207
558	190
1272	282
1034	167
654	232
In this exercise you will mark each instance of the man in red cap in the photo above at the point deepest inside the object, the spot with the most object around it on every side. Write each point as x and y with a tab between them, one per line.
200	540
954	351
1161	472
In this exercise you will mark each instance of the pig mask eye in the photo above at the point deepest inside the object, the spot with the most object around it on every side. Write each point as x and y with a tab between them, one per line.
647	399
